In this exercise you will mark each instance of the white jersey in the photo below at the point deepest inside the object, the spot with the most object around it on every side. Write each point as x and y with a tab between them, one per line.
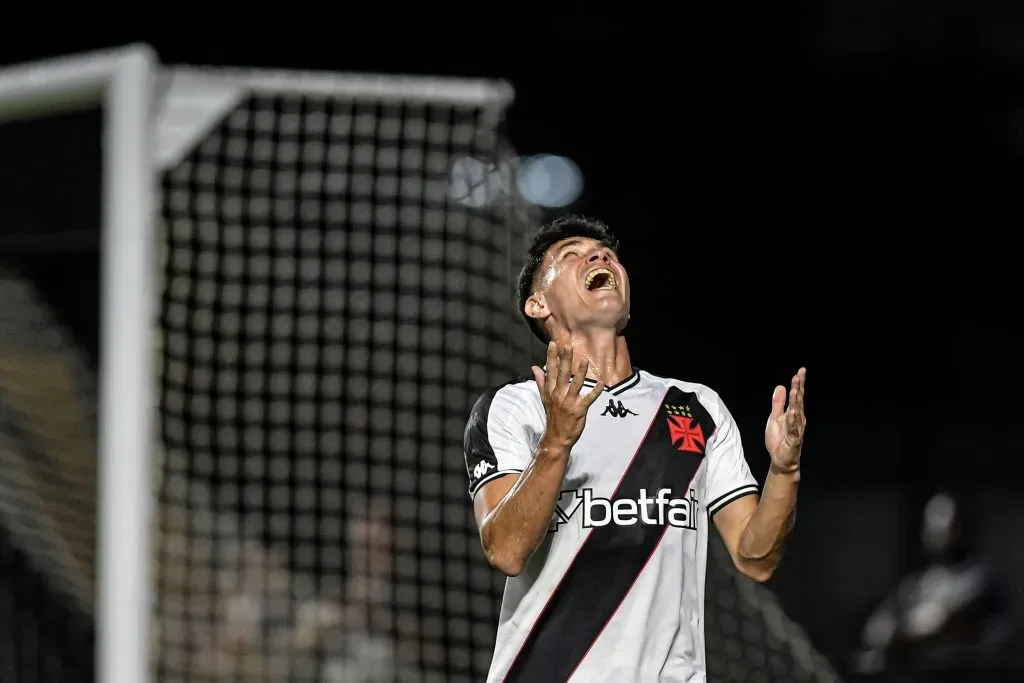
615	593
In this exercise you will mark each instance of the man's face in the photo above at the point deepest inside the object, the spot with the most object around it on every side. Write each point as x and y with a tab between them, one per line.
581	284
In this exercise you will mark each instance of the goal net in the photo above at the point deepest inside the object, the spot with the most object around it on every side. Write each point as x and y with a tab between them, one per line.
337	257
332	304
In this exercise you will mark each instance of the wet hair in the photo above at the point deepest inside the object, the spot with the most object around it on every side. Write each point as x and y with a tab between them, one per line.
563	227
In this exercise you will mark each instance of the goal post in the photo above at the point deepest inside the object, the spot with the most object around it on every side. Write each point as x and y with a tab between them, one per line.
122	82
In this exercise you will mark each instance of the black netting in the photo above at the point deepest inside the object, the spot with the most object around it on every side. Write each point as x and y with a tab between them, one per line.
330	313
749	637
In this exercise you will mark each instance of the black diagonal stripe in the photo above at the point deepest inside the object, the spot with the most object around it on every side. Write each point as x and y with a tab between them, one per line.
611	558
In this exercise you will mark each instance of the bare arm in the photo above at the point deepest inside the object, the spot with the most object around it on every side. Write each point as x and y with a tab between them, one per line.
755	531
513	513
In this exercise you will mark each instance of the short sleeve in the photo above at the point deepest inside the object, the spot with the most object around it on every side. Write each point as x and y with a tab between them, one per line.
495	441
729	476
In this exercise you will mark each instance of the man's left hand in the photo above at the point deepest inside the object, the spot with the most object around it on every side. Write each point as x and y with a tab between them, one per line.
784	435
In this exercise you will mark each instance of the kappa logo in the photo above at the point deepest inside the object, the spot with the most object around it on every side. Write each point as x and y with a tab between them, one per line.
617	410
481	469
593	511
684	431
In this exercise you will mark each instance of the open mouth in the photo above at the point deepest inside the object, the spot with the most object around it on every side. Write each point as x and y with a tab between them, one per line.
599	279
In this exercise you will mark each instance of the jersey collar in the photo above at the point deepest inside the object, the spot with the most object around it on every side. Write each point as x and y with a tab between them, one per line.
616	389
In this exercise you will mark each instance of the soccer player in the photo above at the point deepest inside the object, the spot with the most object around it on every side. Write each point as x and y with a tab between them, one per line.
594	485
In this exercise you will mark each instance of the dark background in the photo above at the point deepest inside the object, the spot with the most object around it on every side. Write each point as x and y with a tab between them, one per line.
826	185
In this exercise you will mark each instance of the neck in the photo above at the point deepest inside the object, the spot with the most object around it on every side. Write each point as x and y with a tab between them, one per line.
604	349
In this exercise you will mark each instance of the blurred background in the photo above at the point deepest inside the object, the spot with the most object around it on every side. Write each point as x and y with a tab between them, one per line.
825	184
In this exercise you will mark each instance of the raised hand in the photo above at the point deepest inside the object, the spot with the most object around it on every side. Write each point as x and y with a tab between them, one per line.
566	409
784	435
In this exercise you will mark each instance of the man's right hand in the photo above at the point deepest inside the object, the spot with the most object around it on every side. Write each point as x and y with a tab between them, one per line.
566	409
514	512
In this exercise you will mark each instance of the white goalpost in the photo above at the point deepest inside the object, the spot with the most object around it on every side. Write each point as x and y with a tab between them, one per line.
122	81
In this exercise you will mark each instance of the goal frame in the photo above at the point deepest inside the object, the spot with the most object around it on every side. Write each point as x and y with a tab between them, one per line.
122	81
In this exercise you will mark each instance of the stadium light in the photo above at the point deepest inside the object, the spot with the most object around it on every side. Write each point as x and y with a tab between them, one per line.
545	180
550	181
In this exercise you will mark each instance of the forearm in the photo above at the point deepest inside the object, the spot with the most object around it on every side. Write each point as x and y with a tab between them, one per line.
517	525
766	531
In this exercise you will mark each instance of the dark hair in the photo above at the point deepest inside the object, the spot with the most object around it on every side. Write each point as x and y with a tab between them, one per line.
563	227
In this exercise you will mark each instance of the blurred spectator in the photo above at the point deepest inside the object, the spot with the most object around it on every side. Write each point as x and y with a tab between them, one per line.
356	633
272	627
949	616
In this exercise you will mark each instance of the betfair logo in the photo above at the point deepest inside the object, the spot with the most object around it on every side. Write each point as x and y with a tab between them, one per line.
658	509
